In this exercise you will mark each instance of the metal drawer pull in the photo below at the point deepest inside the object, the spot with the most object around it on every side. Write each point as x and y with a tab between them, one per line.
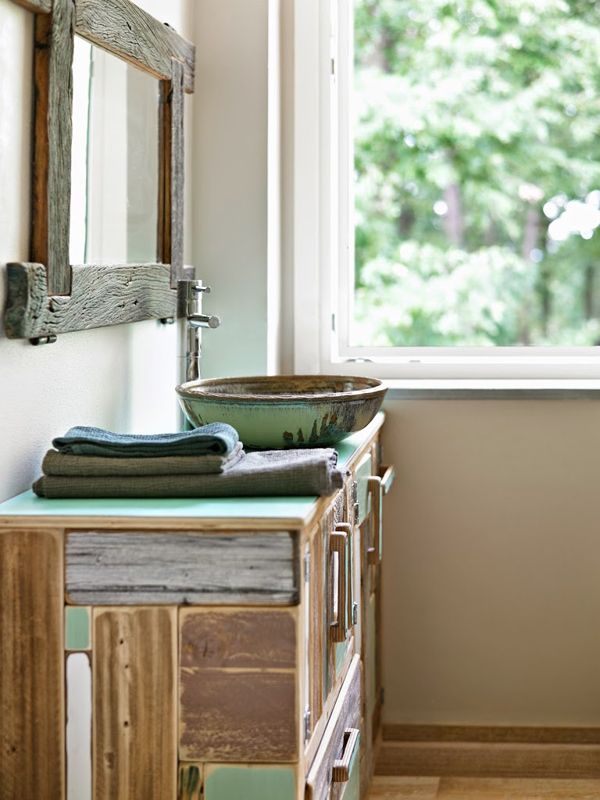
338	542
341	767
388	476
374	485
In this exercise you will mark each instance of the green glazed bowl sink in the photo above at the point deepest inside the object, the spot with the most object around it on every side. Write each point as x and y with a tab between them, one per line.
284	410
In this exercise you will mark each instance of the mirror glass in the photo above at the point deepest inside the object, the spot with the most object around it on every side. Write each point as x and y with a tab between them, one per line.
114	166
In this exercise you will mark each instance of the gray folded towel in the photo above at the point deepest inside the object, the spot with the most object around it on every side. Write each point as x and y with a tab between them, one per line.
217	438
266	473
56	463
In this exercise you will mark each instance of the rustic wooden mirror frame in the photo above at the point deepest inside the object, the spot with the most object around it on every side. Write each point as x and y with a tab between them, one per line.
48	295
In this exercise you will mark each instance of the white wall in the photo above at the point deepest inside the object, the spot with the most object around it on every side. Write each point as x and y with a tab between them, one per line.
120	378
492	563
236	182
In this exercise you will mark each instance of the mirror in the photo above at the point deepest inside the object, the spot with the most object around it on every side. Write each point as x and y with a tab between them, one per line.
114	160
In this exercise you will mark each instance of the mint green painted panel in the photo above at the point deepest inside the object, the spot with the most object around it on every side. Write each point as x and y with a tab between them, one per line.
77	628
250	783
362	474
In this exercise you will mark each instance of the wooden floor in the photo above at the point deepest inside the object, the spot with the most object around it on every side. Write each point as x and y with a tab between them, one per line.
384	788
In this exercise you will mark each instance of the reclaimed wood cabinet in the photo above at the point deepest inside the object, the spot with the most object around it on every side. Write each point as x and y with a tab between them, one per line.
186	649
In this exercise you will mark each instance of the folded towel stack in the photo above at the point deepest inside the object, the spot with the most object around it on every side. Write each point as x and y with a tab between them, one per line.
205	462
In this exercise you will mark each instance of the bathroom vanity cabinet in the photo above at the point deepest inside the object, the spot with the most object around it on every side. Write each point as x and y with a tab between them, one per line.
187	649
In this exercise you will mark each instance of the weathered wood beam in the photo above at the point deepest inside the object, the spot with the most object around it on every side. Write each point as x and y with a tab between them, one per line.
37	6
101	295
130	33
171	173
53	101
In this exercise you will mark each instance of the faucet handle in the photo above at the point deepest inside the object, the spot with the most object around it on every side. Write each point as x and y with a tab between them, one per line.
203	321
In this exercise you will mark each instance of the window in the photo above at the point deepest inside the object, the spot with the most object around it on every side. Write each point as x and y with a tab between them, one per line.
460	188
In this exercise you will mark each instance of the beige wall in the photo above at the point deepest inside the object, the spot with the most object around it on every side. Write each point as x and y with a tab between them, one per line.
121	377
492	562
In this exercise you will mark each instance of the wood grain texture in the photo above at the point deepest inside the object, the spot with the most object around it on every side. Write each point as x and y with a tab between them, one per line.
346	714
32	711
239	715
492	734
462	759
135	704
171	173
181	568
134	35
189	782
386	788
53	102
237	638
100	295
37	6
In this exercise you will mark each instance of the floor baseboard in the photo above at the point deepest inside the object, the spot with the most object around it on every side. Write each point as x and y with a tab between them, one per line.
503	752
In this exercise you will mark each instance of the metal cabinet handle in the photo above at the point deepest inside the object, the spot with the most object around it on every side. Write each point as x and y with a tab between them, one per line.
338	544
374	485
341	767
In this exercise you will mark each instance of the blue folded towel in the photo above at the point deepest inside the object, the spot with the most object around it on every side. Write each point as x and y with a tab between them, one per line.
217	437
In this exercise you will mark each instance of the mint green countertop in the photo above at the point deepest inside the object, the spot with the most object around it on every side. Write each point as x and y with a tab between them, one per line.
296	509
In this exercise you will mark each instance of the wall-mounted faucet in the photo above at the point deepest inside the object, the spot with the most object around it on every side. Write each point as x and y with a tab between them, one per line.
191	296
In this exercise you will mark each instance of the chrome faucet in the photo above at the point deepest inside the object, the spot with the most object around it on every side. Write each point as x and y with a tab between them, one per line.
191	297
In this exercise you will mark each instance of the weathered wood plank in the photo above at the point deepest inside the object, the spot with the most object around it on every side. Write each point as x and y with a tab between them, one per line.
100	295
32	762
79	727
53	102
135	704
189	784
181	568
134	35
239	715
239	638
346	714
171	173
37	6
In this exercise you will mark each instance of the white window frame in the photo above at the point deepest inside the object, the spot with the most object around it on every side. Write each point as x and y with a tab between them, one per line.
323	239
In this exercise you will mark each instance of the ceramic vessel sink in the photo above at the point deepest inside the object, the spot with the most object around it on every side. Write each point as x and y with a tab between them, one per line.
284	410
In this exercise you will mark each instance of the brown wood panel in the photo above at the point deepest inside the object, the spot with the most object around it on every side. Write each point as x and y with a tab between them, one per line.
238	715
32	713
53	101
171	173
493	734
100	295
131	33
241	638
387	788
462	759
135	704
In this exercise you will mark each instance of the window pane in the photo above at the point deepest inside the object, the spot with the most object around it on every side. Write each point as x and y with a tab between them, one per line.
477	131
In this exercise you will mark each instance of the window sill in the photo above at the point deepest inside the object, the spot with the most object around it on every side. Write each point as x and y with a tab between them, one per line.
493	389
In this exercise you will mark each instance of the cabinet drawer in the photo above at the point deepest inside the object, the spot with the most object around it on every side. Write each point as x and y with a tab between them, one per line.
335	770
181	568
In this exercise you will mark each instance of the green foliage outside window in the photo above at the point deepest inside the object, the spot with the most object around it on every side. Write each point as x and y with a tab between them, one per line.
477	141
